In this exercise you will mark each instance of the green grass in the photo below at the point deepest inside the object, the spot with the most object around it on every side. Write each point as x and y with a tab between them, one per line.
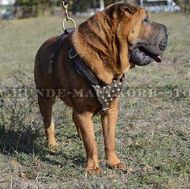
153	134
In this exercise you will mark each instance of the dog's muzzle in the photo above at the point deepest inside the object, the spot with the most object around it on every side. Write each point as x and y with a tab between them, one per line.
149	50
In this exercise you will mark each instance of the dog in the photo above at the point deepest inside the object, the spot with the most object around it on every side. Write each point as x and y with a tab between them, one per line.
103	49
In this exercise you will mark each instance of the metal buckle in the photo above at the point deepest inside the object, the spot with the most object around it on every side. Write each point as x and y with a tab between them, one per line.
72	53
103	111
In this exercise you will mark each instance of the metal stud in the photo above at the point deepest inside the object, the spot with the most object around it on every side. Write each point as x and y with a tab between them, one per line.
118	89
113	91
115	85
120	83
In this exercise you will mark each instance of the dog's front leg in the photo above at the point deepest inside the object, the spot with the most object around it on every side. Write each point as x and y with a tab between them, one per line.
109	121
85	124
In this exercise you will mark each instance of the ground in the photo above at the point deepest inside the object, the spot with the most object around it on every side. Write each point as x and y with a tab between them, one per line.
153	134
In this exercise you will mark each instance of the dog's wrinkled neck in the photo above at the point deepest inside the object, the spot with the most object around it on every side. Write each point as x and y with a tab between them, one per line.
107	53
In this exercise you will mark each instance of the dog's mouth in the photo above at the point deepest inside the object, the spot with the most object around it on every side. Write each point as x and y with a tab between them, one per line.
141	57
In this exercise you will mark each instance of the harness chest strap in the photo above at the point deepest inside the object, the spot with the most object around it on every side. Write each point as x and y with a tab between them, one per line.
104	93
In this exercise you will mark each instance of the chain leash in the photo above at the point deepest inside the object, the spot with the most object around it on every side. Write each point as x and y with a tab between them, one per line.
68	18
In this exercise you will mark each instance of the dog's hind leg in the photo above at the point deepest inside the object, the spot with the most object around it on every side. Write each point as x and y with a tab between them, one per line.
77	127
46	106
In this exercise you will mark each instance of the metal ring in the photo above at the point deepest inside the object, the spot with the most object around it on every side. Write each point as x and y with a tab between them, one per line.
69	20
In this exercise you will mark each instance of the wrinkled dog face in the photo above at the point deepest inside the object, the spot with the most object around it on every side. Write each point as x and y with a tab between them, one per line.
146	40
150	43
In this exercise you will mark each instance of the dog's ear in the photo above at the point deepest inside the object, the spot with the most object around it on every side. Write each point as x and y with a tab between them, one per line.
129	8
119	9
111	10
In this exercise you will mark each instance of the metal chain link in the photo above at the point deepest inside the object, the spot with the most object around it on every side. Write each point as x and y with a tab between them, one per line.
65	6
67	19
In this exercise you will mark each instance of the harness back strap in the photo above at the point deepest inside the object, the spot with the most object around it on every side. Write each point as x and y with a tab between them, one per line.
82	68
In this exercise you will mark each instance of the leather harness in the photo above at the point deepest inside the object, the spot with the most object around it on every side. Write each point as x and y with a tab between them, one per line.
104	93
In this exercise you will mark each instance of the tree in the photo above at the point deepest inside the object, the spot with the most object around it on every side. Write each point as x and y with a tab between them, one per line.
40	6
185	5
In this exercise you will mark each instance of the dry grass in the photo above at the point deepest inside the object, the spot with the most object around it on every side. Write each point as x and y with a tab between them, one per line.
153	135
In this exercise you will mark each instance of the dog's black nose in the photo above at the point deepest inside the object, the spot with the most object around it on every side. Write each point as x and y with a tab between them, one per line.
163	44
164	37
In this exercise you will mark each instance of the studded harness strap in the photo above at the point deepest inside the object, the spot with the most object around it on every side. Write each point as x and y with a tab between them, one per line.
104	93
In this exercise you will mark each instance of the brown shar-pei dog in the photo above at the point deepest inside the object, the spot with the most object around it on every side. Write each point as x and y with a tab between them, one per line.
109	43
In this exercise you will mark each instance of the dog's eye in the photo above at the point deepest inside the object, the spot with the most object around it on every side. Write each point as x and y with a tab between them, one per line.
146	19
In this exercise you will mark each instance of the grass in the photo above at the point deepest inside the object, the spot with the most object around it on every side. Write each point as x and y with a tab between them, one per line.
153	134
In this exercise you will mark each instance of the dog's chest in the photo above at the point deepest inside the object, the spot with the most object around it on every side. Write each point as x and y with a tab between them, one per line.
108	93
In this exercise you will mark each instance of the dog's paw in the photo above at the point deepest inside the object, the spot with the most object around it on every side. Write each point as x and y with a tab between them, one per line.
90	171
120	166
53	148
